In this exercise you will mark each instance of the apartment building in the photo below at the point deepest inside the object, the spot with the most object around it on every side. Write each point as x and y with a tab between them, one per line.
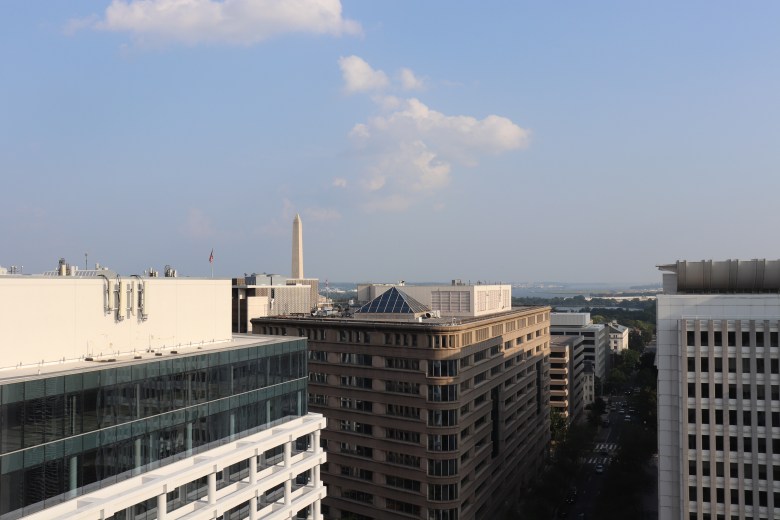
567	364
718	362
431	418
129	398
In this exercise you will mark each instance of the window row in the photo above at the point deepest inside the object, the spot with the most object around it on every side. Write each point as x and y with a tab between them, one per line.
762	339
731	365
747	417
720	496
45	410
733	391
734	443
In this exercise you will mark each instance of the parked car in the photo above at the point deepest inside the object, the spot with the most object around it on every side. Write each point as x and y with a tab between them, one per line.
599	468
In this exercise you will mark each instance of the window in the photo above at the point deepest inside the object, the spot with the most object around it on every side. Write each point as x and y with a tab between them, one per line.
442	442
398	410
359	473
402	387
441	492
442	417
442	393
403	483
359	496
402	435
403	459
357	382
354	449
356	427
318	377
356	359
318	399
443	368
318	355
357	404
402	364
443	468
402	507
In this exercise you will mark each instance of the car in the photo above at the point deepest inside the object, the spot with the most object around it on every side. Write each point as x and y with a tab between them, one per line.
571	496
599	468
627	418
622	411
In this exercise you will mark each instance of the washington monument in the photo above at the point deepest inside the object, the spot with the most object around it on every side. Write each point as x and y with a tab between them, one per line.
297	248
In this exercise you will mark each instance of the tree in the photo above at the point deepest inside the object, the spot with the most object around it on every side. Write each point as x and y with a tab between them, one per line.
629	360
558	426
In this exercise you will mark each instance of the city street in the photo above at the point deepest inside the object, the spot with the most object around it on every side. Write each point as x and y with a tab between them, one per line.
589	483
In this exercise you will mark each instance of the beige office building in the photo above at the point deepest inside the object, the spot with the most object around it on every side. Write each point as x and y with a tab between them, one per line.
428	418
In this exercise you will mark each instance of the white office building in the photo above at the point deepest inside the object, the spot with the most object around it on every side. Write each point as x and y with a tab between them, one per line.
719	390
595	337
127	397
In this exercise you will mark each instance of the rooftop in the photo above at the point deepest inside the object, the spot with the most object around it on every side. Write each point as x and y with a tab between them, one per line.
28	372
388	320
724	276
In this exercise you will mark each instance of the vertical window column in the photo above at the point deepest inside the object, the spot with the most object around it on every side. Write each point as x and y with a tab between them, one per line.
253	481
162	506
212	481
287	465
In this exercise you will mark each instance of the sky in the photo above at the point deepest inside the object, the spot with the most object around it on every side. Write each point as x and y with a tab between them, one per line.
497	141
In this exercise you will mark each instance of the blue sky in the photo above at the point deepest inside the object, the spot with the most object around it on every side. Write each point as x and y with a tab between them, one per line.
510	141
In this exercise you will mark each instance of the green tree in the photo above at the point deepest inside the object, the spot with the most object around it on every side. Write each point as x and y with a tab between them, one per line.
558	426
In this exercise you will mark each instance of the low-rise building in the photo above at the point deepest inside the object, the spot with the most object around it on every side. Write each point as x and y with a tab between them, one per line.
618	337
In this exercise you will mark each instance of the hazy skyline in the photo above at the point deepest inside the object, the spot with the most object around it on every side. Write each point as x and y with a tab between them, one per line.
417	140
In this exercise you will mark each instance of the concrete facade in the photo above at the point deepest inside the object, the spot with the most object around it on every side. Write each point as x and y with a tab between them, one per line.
567	364
127	397
595	337
430	419
101	314
718	363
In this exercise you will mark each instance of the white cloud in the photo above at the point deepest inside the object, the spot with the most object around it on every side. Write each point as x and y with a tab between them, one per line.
339	182
409	81
242	22
412	150
360	77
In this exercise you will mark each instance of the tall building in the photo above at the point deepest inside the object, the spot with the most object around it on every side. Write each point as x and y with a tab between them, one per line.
595	337
719	390
428	417
129	398
297	248
567	364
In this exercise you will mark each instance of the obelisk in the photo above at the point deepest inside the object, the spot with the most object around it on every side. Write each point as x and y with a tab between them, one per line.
297	248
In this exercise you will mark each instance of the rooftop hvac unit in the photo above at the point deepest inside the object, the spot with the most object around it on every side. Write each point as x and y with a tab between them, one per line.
121	289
